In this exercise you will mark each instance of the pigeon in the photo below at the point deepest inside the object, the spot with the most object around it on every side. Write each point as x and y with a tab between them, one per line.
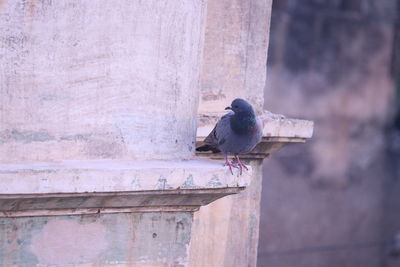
237	132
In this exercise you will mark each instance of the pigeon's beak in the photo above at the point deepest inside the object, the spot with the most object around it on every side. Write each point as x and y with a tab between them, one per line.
228	108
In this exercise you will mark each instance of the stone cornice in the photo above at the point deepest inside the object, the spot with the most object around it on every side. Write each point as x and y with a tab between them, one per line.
112	186
278	132
82	187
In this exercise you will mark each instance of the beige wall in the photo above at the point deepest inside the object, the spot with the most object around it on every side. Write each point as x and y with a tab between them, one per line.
225	233
235	53
89	80
128	239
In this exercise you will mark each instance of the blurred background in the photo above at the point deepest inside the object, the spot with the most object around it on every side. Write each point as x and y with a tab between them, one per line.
334	201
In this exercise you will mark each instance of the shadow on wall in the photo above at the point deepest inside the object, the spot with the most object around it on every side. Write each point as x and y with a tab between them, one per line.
332	201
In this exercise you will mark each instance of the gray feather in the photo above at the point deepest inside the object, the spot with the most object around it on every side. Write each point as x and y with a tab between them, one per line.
223	138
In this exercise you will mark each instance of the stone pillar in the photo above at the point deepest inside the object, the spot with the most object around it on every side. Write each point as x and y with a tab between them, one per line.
92	94
235	53
99	103
90	80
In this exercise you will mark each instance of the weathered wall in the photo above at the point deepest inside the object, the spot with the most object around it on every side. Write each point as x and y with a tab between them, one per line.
89	80
324	202
130	239
235	52
84	80
225	233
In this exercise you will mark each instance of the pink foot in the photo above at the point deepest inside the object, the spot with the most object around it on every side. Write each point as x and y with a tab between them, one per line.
230	164
239	164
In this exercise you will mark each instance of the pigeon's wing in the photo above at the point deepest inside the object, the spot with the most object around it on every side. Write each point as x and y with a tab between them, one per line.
214	139
223	129
210	143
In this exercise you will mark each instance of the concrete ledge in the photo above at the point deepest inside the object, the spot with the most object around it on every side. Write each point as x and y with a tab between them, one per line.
278	132
278	126
99	186
275	126
88	211
109	202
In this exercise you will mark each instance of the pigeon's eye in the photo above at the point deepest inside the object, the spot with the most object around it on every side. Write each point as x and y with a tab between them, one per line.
235	106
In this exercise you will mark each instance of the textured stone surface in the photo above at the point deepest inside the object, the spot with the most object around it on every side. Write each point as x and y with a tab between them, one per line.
229	225
275	125
134	239
235	52
29	189
90	81
84	80
115	176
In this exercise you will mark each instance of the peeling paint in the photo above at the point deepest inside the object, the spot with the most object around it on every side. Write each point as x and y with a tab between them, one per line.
189	183
62	241
25	136
162	184
97	239
136	183
76	137
47	97
114	175
214	182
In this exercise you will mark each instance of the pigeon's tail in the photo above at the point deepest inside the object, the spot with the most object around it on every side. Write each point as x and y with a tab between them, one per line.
204	148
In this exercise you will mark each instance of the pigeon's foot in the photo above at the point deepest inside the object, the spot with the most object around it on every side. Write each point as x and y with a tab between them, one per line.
231	164
238	164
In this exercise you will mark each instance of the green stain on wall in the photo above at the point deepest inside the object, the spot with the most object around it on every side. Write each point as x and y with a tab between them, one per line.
128	237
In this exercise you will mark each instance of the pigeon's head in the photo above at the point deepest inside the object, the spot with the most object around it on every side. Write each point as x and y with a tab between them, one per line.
241	106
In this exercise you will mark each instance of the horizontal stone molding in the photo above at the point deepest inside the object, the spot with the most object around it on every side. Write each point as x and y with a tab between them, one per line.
109	202
278	132
81	187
